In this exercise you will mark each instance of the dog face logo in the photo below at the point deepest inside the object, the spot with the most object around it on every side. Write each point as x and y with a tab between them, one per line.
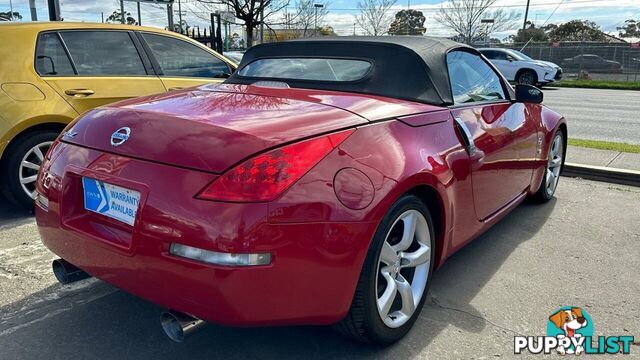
570	322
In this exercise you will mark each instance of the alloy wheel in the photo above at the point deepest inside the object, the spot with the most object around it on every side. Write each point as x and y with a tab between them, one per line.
403	268
527	78
554	165
29	166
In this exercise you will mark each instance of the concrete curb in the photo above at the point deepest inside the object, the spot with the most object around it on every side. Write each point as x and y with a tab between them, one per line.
601	173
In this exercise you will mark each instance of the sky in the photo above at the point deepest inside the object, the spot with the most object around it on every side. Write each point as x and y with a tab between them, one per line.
609	14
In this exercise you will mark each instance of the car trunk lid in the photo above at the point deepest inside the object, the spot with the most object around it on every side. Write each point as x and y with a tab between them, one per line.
205	130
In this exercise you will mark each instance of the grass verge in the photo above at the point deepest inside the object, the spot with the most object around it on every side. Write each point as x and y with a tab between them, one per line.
598	84
605	145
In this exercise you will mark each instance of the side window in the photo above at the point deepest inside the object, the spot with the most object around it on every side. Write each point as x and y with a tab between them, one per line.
501	55
51	59
495	55
180	58
472	80
103	53
489	54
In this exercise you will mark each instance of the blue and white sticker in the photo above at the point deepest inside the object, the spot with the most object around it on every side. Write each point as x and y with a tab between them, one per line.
110	200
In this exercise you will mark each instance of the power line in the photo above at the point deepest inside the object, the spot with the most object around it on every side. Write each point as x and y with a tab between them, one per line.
553	12
437	8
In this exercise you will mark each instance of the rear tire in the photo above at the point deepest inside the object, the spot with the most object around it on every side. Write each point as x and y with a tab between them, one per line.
390	293
22	160
527	77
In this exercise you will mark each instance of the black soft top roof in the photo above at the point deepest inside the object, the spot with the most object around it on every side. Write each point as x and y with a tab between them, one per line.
404	67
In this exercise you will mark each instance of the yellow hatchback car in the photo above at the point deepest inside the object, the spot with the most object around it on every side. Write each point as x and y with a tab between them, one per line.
51	72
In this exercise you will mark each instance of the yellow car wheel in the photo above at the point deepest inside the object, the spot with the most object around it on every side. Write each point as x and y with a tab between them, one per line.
22	161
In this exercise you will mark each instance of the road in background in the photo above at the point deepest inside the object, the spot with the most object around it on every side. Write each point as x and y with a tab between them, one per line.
580	249
598	114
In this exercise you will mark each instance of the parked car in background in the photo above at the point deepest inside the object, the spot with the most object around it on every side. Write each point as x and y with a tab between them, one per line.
518	67
592	63
235	56
322	183
52	71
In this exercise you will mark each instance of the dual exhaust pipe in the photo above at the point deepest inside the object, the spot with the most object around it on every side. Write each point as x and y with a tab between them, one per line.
178	326
67	273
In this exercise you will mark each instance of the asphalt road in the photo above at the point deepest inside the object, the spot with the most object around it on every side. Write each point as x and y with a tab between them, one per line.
595	114
581	249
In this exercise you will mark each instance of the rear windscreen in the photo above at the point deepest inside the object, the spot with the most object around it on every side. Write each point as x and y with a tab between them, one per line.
317	69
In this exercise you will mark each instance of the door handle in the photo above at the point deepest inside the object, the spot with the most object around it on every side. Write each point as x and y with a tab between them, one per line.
79	92
176	88
467	139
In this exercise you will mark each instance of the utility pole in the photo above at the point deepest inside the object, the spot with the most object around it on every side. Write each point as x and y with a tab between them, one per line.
354	29
526	15
10	10
170	16
179	14
139	16
54	10
317	6
262	22
102	15
122	11
34	13
487	25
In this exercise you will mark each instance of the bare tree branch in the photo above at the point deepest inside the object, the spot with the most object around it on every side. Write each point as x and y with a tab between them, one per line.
249	11
465	18
305	16
375	16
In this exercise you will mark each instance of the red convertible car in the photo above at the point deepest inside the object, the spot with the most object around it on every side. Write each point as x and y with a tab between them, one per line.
322	183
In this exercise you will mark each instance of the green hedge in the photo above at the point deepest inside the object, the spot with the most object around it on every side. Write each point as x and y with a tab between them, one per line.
598	84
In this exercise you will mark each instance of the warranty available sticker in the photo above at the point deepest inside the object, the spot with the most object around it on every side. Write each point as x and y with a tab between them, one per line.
570	331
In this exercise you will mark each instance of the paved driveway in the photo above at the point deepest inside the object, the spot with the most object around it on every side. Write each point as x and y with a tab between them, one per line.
581	249
594	114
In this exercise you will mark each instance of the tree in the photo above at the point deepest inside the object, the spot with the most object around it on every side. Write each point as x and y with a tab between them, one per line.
375	16
181	27
8	15
116	17
308	16
249	11
465	18
408	22
577	30
630	29
326	31
531	33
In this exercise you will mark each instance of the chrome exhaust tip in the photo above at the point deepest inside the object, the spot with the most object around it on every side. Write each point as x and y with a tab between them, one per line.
179	326
67	273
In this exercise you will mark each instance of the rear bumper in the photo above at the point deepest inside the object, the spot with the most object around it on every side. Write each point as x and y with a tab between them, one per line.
311	279
301	286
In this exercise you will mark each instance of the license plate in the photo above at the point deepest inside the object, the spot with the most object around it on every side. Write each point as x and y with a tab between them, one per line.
110	200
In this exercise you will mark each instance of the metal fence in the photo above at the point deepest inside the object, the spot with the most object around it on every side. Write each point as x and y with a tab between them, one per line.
599	61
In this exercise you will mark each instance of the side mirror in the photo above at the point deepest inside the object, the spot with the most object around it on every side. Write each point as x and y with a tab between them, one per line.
528	94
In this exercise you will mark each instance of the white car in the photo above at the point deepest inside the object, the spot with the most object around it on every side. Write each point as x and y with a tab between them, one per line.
518	67
235	56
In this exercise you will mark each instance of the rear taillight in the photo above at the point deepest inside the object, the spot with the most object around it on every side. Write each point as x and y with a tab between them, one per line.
266	176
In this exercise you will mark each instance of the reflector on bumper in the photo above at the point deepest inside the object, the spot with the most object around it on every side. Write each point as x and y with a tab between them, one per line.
218	258
42	201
